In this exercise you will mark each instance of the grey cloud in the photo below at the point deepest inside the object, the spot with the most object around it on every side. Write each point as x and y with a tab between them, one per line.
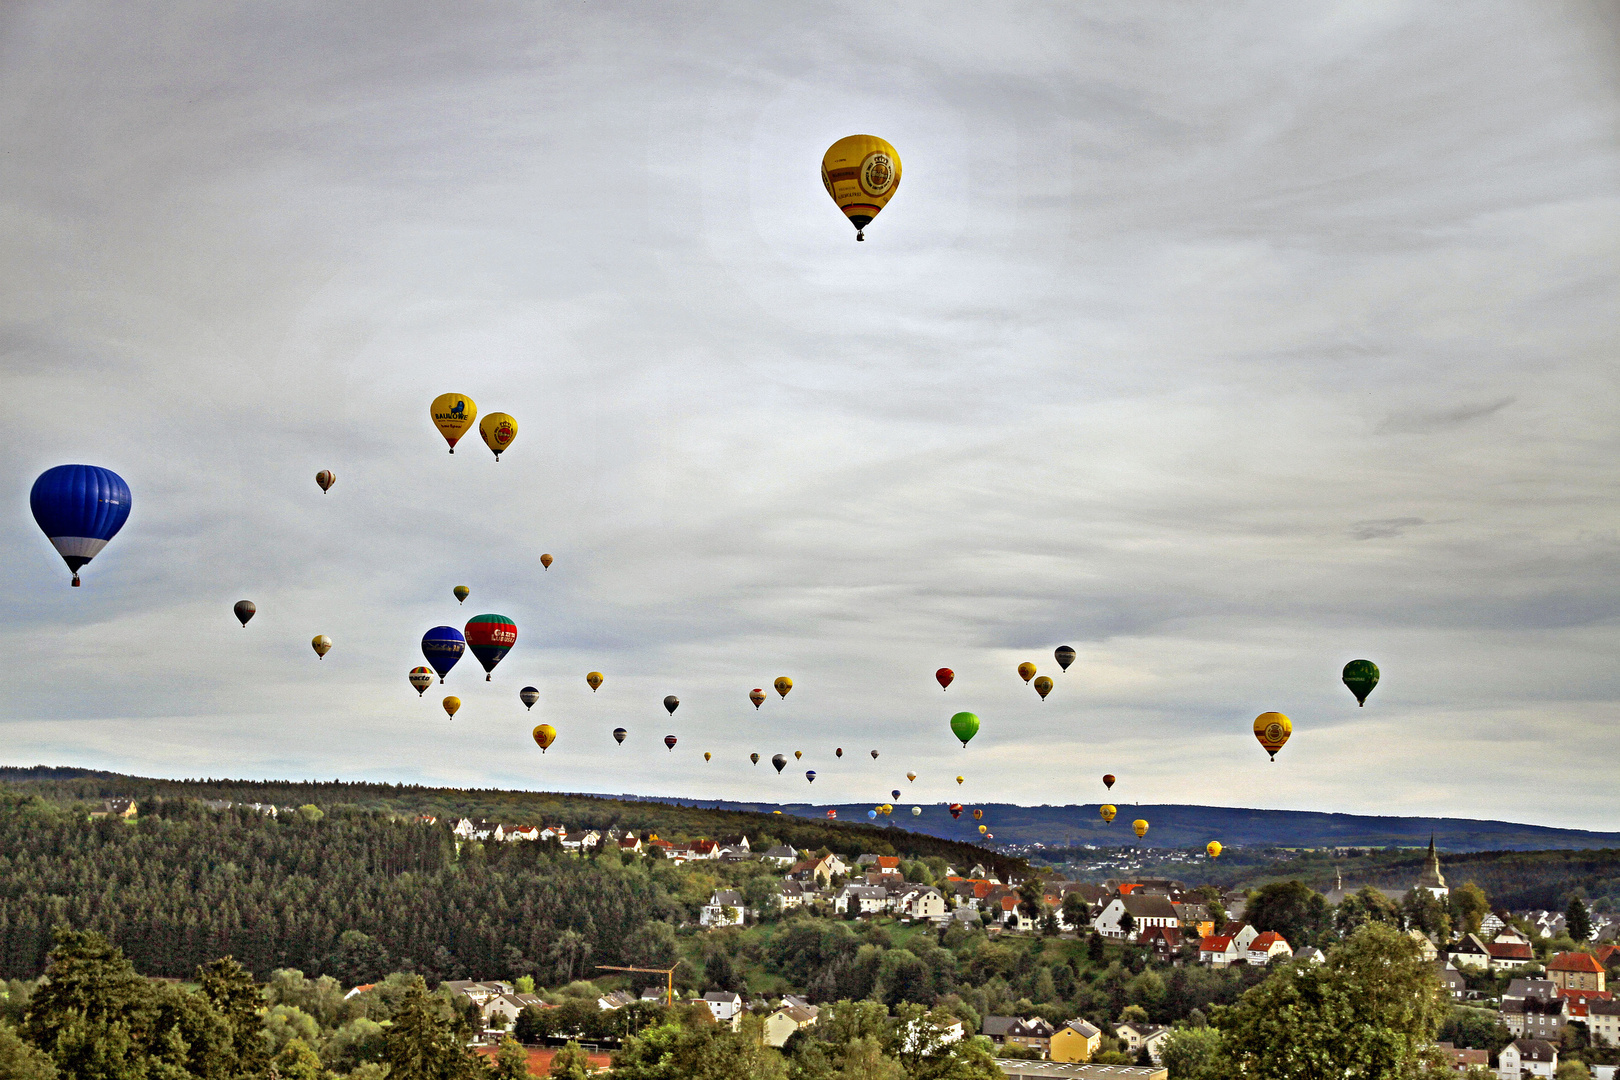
1384	528
1425	421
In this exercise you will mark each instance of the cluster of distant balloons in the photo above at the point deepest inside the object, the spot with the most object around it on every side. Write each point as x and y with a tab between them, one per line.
81	508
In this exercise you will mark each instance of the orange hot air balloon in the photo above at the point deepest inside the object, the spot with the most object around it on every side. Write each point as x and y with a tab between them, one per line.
1273	730
545	562
1026	671
1043	686
945	675
595	679
544	736
757	696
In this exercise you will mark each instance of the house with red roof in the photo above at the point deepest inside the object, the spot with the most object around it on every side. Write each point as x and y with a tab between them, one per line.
1267	947
1219	950
1576	971
1505	956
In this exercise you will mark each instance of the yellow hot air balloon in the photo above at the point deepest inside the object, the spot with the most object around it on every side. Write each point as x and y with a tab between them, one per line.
1043	686
783	684
451	704
321	644
797	754
453	415
861	173
544	736
1213	849
959	779
1273	729
1141	828
1026	671
595	679
1107	812
462	592
705	755
984	829
498	430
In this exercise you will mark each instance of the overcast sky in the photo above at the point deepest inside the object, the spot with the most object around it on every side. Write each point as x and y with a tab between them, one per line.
1225	343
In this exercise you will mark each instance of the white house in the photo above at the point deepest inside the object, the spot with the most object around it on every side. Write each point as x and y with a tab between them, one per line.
866	899
1470	952
725	1006
725	908
921	902
1135	1036
1145	910
1267	947
508	1006
1534	1056
1218	950
781	1024
780	856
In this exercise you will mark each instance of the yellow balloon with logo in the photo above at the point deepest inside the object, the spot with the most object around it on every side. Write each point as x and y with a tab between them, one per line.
1213	849
594	678
783	684
498	430
453	415
1273	729
1107	813
861	173
451	704
1141	828
983	829
544	736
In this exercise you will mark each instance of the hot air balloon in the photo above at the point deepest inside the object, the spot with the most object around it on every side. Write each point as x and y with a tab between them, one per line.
838	752
79	508
490	637
872	814
944	675
965	725
1026	671
594	679
1140	827
978	815
245	610
895	794
546	561
1043	686
544	736
779	761
956	810
1108	781
1361	676
421	678
529	695
797	754
757	696
618	734
325	479
911	776
832	813
1106	812
916	811
989	836
874	755
810	775
1273	729
461	593
669	741
861	173
671	703
321	644
1064	655
778	813
443	646
983	829
451	704
453	414
754	758
959	779
1213	849
498	430
705	755
783	684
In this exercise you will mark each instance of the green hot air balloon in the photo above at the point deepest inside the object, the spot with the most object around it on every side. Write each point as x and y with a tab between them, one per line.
965	725
1361	676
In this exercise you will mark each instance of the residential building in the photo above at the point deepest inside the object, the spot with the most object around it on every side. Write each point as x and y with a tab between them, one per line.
780	855
1267	947
1535	1018
1450	977
1470	952
1536	1057
1462	1060
508	1006
1165	941
790	894
1146	911
921	902
616	1000
1312	955
478	992
781	1024
1012	915
1241	934
1033	1033
1218	950
1576	971
1136	1036
1493	923
1053	1070
725	1006
1432	879
1603	1022
1075	1041
1426	949
1545	989
1506	957
725	908
865	899
631	843
118	808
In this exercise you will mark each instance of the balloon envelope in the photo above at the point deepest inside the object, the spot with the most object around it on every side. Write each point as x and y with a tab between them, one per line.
79	508
453	414
498	430
779	761
421	678
810	775
1108	781
593	679
911	776
706	755
546	561
872	814
959	779
895	794
1140	827
326	478
1272	729
984	829
861	173
965	725
451	704
1361	676
461	593
245	610
757	696
1043	686
944	675
916	811
1213	849
797	754
669	741
978	815
490	637
529	695
1106	812
1064	656
1026	671
874	755
618	734
956	810
544	736
321	644
838	752
783	684
443	646
672	703
754	758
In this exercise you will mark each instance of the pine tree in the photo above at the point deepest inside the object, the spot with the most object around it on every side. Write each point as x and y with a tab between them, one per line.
1577	921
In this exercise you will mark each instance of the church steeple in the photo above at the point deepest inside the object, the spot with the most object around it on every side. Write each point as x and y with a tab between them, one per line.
1432	879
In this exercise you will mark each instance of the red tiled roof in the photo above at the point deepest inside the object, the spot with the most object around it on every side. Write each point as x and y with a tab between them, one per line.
1267	940
890	861
1606	954
1126	890
1575	961
1510	951
1215	943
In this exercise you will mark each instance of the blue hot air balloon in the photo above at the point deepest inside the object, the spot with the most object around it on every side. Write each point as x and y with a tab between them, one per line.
872	814
80	508
443	646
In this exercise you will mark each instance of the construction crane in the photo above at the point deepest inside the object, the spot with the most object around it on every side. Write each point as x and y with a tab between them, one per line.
668	974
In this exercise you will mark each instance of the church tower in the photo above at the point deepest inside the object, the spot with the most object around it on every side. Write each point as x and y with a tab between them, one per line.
1433	880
